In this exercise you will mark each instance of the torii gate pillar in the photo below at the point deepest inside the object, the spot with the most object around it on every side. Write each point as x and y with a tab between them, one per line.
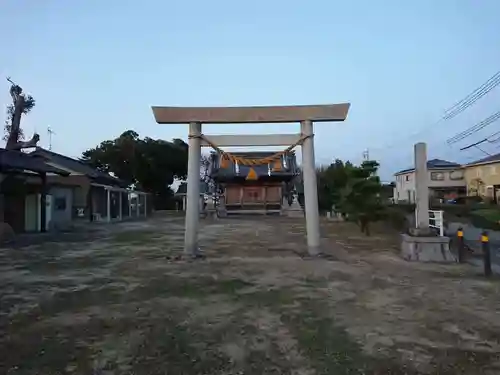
193	190
306	115
310	188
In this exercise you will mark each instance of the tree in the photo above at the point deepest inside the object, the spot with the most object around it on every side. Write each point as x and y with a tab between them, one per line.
147	164
22	104
353	190
331	180
360	198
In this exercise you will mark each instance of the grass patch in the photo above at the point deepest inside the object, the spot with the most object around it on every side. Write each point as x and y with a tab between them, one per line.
172	286
326	345
175	349
491	214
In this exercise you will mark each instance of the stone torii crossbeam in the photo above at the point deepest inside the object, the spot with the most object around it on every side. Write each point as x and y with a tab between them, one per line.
196	116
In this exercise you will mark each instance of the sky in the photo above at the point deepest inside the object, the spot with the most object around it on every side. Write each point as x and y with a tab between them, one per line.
95	69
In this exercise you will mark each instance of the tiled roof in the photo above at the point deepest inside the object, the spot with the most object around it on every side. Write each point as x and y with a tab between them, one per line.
182	189
20	161
488	159
434	164
79	167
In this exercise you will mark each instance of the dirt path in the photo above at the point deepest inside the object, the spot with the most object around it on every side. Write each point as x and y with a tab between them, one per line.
128	304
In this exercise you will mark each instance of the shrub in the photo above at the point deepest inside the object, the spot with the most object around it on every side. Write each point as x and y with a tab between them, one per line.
405	207
396	217
486	218
460	210
481	222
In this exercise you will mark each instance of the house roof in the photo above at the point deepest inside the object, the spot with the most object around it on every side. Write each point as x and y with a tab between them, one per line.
434	164
79	167
486	160
20	161
182	189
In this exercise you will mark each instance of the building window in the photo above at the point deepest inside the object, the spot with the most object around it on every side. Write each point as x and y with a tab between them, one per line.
407	178
437	176
60	204
456	175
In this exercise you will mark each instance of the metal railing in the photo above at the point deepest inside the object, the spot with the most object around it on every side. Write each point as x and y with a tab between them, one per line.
435	221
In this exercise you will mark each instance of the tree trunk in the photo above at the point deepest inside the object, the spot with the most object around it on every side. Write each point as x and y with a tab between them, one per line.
367	228
16	123
364	223
13	142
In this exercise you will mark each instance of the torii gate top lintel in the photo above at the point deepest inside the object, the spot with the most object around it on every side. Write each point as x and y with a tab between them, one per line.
238	115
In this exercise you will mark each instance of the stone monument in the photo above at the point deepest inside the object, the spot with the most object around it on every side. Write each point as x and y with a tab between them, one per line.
421	243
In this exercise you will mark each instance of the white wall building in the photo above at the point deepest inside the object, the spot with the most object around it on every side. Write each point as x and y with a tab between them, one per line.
446	181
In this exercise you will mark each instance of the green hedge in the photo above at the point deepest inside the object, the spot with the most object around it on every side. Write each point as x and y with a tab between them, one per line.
405	207
486	218
481	222
396	216
460	210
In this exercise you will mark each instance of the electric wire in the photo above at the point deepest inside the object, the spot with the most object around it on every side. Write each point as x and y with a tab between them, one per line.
473	97
474	129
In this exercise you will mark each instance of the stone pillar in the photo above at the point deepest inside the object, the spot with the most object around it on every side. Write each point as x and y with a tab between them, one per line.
193	191
421	188
108	205
310	188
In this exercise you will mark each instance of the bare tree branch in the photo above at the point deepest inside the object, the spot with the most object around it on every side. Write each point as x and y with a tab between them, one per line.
21	104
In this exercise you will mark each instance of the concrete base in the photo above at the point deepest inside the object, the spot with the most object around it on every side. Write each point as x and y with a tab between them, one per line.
426	249
422	232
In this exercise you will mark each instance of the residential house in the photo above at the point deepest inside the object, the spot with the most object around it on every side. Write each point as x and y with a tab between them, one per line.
483	177
24	206
87	193
446	181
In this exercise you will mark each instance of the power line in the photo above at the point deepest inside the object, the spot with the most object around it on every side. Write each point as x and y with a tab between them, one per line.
459	106
473	144
487	139
473	129
476	145
473	97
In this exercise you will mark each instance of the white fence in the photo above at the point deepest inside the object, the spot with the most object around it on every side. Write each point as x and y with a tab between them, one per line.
435	221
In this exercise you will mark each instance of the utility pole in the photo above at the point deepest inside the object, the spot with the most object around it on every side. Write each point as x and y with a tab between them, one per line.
50	132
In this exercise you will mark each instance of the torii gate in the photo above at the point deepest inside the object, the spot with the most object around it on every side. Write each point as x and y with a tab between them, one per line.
306	115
